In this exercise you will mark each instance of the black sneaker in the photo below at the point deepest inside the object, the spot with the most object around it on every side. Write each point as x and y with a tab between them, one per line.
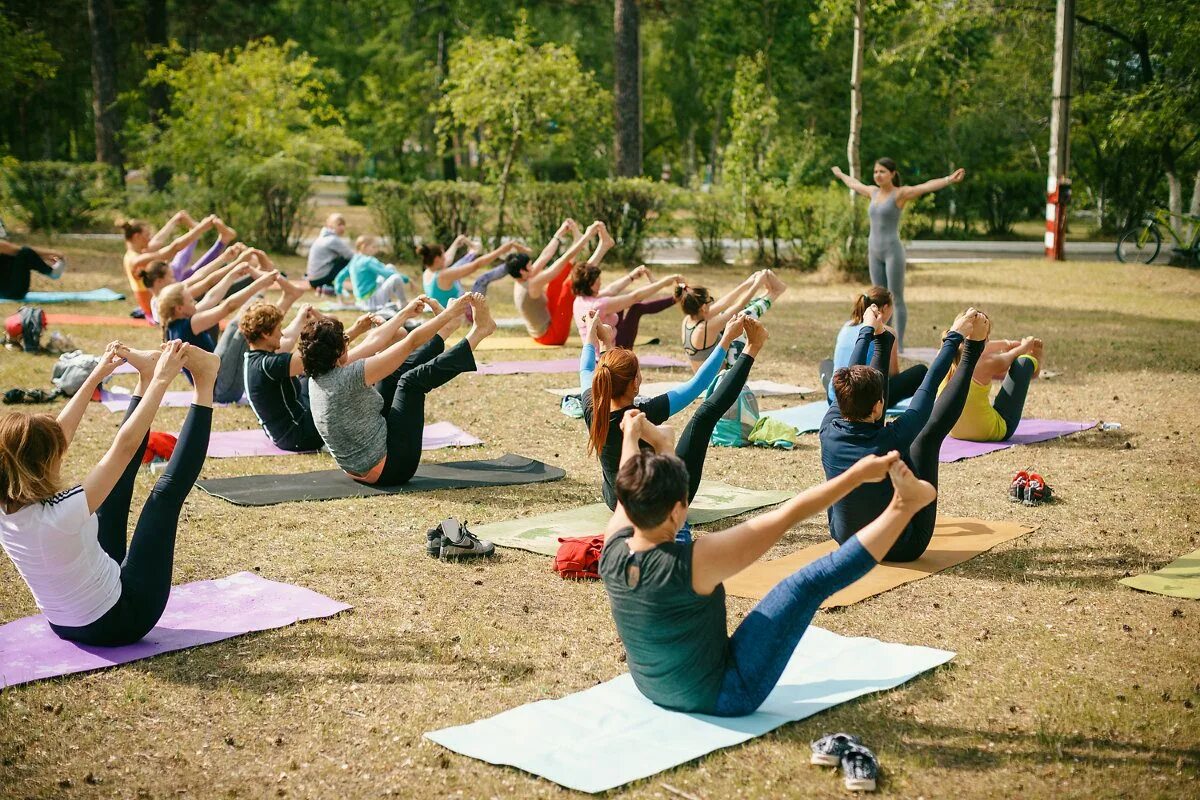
456	542
827	751
433	542
860	768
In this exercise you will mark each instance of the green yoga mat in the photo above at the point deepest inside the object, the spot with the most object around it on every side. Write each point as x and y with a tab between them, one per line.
540	534
1180	578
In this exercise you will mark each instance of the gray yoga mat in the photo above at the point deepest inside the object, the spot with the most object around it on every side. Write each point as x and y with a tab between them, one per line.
333	484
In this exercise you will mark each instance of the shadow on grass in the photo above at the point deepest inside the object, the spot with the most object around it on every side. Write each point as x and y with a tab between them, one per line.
1066	567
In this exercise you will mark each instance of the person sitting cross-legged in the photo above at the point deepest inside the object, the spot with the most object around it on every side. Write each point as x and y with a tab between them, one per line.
668	598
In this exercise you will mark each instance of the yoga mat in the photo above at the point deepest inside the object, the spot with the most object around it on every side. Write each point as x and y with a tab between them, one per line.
1028	432
563	365
806	418
332	484
955	539
525	343
610	734
1180	578
197	613
234	444
117	401
103	295
540	534
93	319
760	388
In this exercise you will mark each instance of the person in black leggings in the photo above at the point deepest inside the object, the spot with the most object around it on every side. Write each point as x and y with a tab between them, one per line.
92	587
17	264
855	426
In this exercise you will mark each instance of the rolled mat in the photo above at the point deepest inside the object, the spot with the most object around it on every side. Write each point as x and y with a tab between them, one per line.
197	613
540	534
611	734
333	484
1180	578
760	388
102	295
563	365
955	540
236	444
95	319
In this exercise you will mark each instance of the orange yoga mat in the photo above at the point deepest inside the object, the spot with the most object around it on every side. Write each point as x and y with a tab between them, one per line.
95	319
955	539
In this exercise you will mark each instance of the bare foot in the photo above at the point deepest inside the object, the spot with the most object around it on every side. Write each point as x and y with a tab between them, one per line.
964	322
605	237
202	364
912	492
660	437
1037	350
980	328
226	233
483	324
606	334
291	291
144	361
775	285
756	335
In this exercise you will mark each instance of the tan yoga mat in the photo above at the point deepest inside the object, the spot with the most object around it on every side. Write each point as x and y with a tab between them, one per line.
525	343
955	539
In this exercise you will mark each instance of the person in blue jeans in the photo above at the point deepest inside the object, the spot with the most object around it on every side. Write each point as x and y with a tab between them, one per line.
668	599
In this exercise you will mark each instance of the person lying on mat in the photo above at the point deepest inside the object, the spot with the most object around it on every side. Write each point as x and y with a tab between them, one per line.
543	294
704	317
668	599
855	425
441	282
277	395
369	402
159	275
612	384
617	305
901	385
373	283
17	265
70	546
1016	363
143	246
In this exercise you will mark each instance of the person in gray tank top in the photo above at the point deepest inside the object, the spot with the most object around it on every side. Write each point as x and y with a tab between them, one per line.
885	251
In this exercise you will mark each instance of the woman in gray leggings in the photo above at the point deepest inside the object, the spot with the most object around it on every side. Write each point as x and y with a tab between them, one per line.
885	252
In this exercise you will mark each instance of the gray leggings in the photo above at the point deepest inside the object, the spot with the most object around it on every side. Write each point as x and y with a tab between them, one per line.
886	260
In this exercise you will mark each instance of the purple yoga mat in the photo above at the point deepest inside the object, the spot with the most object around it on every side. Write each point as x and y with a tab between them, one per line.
233	444
1028	432
197	613
119	401
562	365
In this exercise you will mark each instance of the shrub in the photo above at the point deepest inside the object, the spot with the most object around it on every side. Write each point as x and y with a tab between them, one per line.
541	208
59	195
272	198
450	207
630	207
848	229
712	221
391	205
1000	199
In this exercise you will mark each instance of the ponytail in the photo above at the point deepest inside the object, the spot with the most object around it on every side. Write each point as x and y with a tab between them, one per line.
130	227
692	298
428	253
614	374
876	295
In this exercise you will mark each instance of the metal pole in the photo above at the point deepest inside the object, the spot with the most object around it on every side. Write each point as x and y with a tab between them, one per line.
1060	127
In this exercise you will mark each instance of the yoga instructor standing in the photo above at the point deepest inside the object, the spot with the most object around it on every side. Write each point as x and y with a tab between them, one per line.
885	252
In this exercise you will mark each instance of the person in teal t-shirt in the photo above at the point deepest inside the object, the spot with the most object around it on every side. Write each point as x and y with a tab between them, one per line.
375	284
440	281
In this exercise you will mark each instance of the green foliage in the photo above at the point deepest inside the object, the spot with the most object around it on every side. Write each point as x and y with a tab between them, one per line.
450	208
541	207
712	222
630	207
59	195
26	60
392	209
249	128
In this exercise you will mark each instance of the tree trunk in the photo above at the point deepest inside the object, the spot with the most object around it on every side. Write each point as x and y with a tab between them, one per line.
627	89
856	66
104	83
1194	207
157	98
1175	202
504	176
449	162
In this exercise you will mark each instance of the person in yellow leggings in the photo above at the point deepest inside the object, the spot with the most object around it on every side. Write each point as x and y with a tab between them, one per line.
1017	363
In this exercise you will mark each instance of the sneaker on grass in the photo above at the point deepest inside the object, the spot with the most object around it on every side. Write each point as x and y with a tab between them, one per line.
453	541
828	750
1016	489
860	769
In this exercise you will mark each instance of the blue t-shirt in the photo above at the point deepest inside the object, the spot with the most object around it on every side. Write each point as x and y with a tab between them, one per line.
181	329
844	349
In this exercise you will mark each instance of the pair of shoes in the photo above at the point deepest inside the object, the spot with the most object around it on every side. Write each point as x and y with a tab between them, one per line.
451	540
1029	488
860	768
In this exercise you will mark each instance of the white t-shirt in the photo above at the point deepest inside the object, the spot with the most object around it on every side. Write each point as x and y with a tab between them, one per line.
54	546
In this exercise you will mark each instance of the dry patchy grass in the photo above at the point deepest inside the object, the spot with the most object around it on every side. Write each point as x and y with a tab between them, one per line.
1066	683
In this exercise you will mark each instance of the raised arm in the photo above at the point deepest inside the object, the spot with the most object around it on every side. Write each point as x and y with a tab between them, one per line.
448	275
722	555
452	250
203	320
682	395
936	185
736	298
168	252
853	184
635	429
383	335
203	279
72	413
539	282
226	277
617	304
163	235
551	248
622	283
379	366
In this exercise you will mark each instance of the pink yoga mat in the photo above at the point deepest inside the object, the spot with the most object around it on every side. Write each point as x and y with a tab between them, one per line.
197	613
563	365
1028	432
233	444
119	401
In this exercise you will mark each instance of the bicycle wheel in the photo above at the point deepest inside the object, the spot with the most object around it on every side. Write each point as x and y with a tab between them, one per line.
1139	245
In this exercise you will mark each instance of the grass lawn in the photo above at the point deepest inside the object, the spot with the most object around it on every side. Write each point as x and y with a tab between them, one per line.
1066	683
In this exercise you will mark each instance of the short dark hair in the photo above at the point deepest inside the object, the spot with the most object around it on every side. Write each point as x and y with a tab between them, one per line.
649	485
515	263
857	389
322	343
155	272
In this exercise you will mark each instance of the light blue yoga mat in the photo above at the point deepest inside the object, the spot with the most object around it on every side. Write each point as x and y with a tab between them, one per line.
610	734
807	418
103	295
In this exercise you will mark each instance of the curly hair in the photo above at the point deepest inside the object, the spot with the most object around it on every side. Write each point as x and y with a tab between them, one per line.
258	320
322	343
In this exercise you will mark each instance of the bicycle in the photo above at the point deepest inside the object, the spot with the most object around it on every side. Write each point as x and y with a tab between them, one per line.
1141	244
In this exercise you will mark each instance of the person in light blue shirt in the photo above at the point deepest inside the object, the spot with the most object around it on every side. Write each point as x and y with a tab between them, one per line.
901	385
375	284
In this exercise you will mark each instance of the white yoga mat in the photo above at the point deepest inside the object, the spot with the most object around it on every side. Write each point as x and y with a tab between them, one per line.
610	734
760	388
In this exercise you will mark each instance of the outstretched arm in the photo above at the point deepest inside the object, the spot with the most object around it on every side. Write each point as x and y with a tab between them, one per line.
72	413
735	299
168	252
159	239
551	247
618	303
203	320
379	366
721	555
854	184
448	275
935	185
539	282
203	279
452	250
682	396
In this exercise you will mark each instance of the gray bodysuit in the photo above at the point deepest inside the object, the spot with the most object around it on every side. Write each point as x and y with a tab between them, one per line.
885	255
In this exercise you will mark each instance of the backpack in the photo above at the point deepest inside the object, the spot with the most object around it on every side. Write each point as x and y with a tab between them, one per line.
25	327
578	557
71	370
733	429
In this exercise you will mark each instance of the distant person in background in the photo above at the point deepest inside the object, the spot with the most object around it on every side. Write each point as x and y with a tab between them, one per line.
885	252
374	283
17	264
330	252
